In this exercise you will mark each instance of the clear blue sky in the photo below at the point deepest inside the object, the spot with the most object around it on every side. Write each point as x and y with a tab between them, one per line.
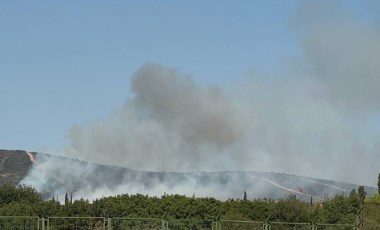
65	63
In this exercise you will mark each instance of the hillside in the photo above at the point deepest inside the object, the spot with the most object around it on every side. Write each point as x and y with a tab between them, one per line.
14	166
54	175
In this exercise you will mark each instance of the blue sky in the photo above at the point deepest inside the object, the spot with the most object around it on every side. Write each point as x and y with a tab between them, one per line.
65	63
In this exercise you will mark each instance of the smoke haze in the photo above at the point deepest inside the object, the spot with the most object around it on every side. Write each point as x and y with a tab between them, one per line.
318	117
170	124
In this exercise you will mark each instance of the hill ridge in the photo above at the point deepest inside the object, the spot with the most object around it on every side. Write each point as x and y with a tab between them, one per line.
16	167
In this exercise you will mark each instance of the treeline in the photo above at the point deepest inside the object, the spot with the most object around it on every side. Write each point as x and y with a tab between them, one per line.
25	201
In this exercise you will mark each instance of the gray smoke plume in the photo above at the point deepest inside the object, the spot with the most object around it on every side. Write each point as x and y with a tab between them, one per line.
170	124
318	117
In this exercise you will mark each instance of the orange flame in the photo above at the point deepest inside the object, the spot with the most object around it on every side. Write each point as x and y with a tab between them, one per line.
31	157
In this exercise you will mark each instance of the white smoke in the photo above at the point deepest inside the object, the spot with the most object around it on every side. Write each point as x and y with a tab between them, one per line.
316	118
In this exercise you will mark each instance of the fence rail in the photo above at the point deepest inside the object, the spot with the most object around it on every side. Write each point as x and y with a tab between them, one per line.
135	223
80	223
118	223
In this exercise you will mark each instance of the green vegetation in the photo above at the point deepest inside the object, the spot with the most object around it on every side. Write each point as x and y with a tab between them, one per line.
372	212
190	211
373	199
25	201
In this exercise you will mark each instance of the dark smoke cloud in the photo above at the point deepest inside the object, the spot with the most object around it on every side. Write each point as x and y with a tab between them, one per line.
198	116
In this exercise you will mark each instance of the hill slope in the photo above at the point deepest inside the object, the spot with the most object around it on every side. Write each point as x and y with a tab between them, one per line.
14	166
54	175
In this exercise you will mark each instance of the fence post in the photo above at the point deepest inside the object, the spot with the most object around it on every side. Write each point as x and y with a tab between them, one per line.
266	225
109	224
313	224
216	225
164	222
360	215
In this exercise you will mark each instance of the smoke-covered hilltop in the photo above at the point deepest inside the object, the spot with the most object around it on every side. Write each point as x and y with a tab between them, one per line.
50	176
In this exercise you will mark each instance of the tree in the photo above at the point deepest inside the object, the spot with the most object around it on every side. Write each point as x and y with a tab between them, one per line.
362	193
353	200
311	200
378	184
66	199
11	193
245	196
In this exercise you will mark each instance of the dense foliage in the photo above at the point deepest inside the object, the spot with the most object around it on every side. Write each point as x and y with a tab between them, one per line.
25	201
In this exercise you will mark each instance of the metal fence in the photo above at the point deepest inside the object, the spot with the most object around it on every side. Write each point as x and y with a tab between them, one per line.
101	223
20	222
191	224
136	223
289	226
75	223
241	225
257	225
336	227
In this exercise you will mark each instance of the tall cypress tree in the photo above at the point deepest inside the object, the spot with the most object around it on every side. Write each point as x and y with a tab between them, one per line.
378	184
66	199
362	193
